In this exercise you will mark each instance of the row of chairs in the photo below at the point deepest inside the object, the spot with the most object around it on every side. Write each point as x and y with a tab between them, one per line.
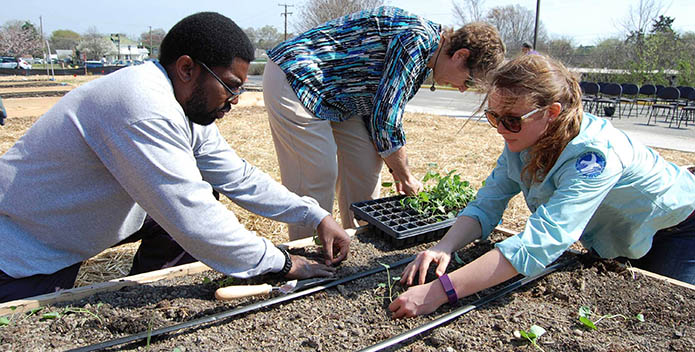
610	99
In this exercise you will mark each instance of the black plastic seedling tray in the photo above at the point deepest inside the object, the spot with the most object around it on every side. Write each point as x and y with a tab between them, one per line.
403	227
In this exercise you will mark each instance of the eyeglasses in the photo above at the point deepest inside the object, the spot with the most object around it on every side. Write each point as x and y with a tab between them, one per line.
234	93
470	81
511	123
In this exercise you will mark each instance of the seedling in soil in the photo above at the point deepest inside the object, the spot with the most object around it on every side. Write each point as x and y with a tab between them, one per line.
390	282
4	321
533	334
227	281
440	201
585	317
67	310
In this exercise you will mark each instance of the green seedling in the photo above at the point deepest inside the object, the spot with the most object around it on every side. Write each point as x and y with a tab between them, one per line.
227	281
441	200
67	310
317	240
533	334
389	284
585	314
149	335
4	321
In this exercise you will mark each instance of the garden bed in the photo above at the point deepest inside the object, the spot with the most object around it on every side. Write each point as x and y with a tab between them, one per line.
354	315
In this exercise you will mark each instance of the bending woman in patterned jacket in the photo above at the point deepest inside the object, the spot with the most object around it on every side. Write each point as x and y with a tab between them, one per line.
582	179
336	94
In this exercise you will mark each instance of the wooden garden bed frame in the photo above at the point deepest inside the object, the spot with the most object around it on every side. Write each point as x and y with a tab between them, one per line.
27	304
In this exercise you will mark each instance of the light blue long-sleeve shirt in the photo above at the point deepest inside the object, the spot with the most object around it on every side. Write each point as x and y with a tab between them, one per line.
606	190
83	177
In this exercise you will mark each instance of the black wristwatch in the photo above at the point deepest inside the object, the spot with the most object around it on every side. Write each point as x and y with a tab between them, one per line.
288	263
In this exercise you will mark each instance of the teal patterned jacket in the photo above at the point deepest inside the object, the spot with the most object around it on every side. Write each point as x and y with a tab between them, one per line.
368	65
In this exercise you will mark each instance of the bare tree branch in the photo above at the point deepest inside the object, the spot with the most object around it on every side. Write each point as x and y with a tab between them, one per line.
515	25
316	12
468	11
640	17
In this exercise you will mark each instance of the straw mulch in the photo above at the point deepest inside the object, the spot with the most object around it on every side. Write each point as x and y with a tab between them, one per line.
434	142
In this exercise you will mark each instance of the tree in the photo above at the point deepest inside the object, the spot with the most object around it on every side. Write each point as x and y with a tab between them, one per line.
19	38
265	37
638	19
316	12
468	11
64	39
152	40
95	45
515	25
561	49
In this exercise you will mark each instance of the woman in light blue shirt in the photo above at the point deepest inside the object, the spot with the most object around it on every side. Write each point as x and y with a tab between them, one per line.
581	178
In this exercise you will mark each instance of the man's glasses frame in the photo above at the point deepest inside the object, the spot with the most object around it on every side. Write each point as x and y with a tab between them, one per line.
511	123
235	93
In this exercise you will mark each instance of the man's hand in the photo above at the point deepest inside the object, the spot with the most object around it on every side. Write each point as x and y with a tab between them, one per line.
303	268
335	241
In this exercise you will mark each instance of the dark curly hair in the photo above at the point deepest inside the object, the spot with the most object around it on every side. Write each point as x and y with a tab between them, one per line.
206	36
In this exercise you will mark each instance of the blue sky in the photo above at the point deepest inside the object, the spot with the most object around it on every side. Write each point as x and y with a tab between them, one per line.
585	21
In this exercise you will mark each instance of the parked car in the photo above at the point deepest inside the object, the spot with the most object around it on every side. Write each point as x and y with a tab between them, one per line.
23	64
8	62
91	64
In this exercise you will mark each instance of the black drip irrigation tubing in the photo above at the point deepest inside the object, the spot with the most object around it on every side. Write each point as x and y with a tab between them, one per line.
465	309
230	313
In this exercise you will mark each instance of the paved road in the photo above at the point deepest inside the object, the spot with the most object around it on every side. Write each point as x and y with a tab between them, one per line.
458	105
455	104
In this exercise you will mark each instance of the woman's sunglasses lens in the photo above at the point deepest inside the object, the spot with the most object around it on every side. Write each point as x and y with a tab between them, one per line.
512	124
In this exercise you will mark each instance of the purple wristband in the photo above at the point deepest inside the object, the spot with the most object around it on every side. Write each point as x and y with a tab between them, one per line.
449	288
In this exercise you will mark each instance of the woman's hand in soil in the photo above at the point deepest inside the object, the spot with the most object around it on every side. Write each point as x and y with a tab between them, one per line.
421	264
335	241
418	300
303	268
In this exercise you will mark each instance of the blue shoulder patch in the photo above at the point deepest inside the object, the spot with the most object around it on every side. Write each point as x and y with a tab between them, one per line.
590	164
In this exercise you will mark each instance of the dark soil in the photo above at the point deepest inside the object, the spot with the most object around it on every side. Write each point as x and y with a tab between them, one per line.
28	84
36	94
355	315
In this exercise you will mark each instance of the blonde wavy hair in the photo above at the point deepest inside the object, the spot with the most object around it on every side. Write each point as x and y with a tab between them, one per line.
542	81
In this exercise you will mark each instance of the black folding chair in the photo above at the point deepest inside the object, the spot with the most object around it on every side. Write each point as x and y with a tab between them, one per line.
688	111
647	96
629	96
590	92
609	101
685	92
666	101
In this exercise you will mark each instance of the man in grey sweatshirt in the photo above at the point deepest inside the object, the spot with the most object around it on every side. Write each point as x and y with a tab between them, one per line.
141	141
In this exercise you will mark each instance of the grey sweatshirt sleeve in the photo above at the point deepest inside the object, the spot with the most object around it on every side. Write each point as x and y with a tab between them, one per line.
249	187
154	161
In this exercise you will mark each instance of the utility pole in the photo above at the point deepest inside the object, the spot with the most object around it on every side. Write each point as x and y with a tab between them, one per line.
46	57
535	29
151	52
117	40
285	14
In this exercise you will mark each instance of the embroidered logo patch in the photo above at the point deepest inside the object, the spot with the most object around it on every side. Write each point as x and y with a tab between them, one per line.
590	164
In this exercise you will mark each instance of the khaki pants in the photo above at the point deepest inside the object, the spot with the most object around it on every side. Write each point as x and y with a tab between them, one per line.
319	157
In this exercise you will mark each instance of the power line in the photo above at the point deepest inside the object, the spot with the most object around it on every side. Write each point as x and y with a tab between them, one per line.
285	14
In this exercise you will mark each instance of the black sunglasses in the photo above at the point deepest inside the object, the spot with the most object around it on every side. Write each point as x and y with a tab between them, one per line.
511	123
234	93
